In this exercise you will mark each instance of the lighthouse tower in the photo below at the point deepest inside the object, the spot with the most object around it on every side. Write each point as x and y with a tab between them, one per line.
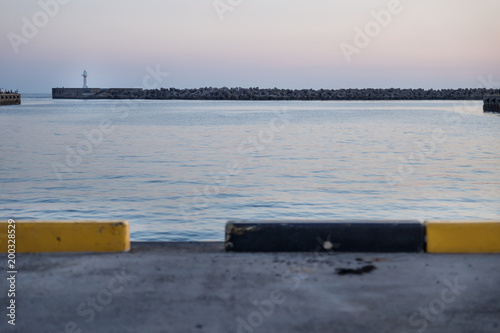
85	78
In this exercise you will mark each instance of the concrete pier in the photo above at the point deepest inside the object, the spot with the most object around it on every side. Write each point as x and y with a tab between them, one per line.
198	287
95	93
491	103
10	99
74	93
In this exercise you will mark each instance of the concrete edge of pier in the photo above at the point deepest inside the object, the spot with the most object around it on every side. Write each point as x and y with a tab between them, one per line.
432	236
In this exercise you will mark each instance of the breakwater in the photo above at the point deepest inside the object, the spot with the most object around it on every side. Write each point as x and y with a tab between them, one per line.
258	94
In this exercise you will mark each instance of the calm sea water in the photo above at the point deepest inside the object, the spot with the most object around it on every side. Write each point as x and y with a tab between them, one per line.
178	170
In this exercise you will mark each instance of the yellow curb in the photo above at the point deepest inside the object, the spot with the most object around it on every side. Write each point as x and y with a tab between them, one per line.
466	236
66	236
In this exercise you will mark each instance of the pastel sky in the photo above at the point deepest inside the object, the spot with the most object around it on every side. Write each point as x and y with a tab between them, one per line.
247	43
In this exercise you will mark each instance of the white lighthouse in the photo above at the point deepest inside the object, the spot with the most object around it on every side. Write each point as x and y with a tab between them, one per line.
85	78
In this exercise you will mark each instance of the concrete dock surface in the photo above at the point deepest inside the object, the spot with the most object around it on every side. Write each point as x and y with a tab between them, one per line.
197	287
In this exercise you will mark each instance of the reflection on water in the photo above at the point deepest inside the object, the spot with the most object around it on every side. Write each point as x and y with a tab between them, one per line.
178	170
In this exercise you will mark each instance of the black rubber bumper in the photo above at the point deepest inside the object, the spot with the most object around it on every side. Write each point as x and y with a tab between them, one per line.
326	235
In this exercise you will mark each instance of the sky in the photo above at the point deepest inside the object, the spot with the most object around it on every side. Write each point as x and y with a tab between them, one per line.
290	44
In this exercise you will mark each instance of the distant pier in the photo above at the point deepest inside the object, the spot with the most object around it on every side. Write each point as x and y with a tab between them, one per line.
491	103
70	93
9	98
96	93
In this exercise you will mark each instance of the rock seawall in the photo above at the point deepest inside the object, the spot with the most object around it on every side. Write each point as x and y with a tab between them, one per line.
257	94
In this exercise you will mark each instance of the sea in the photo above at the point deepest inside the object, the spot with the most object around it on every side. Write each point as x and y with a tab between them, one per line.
178	170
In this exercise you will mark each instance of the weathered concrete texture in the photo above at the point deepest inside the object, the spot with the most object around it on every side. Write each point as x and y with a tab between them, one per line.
197	287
